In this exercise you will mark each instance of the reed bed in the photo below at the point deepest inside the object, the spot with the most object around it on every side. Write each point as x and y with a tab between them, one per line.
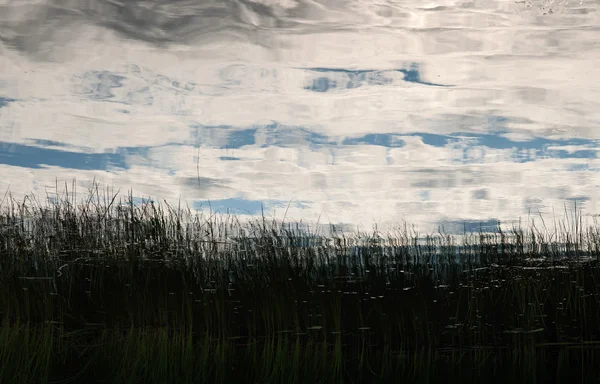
103	224
169	293
159	355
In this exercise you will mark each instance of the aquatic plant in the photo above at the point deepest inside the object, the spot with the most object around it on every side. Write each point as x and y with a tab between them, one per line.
162	281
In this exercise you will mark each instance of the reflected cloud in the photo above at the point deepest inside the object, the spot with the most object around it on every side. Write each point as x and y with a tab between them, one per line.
4	101
456	113
238	206
349	79
468	226
98	85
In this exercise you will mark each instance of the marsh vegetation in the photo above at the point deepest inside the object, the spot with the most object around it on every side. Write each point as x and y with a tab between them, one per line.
104	290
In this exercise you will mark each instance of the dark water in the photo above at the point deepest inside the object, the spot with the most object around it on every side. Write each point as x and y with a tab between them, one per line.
354	112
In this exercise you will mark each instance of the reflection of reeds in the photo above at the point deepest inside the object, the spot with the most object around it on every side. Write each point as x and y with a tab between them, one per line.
161	355
102	226
158	283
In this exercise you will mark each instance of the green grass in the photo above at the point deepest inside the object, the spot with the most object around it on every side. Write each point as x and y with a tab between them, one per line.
102	286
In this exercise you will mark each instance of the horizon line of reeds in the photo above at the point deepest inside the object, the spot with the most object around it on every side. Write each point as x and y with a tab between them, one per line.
104	222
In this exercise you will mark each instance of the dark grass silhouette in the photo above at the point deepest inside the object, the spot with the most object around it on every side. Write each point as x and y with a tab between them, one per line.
164	295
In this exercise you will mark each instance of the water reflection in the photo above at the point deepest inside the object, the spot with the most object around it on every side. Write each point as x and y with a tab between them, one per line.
355	78
447	114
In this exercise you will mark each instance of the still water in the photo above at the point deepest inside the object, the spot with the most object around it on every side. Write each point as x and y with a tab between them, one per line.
350	112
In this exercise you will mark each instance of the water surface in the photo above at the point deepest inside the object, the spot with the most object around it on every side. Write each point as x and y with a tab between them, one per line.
350	112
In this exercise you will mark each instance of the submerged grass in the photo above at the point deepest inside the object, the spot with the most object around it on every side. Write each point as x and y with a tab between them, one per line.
149	292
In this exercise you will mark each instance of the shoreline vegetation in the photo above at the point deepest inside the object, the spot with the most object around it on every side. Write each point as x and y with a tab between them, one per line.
104	290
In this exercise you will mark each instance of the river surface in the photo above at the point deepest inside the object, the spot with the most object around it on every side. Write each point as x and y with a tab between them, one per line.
447	113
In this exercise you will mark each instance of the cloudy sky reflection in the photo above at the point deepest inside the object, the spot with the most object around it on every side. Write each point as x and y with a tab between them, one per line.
446	113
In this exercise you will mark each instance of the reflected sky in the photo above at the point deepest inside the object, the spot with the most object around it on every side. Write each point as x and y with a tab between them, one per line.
446	113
